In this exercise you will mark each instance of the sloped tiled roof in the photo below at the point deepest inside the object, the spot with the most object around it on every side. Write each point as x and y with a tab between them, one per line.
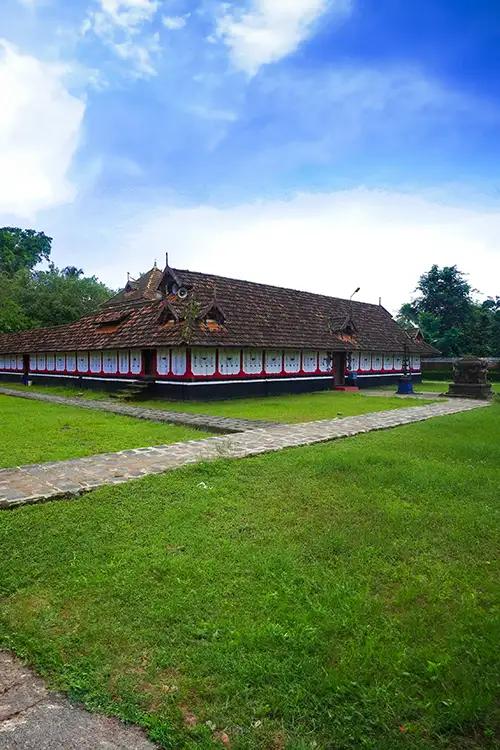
255	315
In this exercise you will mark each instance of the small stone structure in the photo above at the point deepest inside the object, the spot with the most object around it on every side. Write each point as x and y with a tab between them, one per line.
470	376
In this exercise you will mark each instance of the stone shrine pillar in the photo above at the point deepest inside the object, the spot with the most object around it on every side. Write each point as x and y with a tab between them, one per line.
470	379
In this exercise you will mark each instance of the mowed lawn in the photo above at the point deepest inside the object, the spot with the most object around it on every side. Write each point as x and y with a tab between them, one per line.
441	387
34	432
304	407
434	386
340	596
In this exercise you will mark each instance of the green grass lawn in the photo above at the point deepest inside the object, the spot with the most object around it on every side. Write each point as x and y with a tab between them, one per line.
336	597
34	432
303	407
441	386
433	386
287	408
60	390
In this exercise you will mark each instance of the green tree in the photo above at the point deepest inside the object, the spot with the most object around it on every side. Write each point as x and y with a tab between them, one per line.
490	309
32	298
450	318
443	310
13	316
55	297
22	249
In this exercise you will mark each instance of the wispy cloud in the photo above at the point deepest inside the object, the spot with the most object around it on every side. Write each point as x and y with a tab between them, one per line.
174	23
124	26
269	30
39	133
339	110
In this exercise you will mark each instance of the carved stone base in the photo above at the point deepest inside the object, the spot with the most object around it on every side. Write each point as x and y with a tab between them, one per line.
482	391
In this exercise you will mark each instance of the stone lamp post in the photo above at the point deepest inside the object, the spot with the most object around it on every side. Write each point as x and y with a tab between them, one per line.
470	379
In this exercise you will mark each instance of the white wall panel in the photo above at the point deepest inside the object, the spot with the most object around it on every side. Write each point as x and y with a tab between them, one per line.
415	362
252	361
163	361
354	361
60	362
110	361
309	361
274	361
377	360
71	361
365	361
41	361
388	362
135	361
203	361
124	361
398	361
82	361
292	362
50	362
95	363
229	361
178	360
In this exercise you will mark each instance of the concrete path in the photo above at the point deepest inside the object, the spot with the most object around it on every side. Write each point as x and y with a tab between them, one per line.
36	482
202	421
32	718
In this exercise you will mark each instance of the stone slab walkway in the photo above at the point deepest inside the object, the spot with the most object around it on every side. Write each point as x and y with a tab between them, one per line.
32	718
36	482
202	421
421	395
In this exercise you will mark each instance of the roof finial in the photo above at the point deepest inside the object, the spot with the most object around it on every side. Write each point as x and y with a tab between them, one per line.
128	276
166	259
155	266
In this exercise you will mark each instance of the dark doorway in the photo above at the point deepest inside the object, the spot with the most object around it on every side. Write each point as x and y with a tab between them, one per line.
339	360
26	369
149	362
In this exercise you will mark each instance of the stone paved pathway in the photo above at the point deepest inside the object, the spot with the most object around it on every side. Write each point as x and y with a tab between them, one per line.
36	482
32	718
202	421
422	395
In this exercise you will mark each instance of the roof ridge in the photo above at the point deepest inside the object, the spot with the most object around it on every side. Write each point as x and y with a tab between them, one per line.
281	288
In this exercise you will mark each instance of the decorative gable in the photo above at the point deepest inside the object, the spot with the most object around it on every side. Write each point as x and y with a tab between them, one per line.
112	318
212	314
344	325
171	283
167	315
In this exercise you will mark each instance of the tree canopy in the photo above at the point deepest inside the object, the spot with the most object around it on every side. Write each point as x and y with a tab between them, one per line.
22	249
449	316
34	298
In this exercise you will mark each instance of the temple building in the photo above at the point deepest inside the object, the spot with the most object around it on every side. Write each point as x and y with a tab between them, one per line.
193	335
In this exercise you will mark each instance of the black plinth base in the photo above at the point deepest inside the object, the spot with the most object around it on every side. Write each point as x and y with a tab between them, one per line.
481	391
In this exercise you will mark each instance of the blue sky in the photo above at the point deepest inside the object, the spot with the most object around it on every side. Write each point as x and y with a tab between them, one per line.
360	136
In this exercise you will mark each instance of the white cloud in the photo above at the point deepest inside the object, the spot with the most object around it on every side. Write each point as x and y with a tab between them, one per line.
174	23
122	26
127	14
271	29
329	243
39	131
140	55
